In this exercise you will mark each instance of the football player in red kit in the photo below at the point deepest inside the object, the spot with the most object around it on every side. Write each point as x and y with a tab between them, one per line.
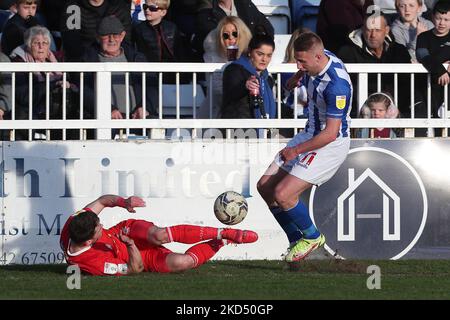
133	246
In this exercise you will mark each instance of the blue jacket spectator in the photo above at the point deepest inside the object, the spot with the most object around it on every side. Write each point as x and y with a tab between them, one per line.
245	75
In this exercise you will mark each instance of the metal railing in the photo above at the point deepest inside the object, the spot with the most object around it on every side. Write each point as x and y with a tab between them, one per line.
103	122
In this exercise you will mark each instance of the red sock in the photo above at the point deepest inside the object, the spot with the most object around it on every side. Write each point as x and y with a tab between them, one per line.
202	252
186	233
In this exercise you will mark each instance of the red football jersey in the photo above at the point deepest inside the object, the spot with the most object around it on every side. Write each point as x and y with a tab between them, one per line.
107	256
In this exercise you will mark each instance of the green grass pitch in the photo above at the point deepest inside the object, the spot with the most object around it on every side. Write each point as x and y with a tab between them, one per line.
240	280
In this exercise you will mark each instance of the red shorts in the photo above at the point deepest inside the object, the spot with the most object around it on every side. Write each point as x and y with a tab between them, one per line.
154	257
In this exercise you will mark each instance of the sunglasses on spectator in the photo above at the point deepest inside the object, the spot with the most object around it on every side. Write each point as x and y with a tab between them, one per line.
227	36
151	7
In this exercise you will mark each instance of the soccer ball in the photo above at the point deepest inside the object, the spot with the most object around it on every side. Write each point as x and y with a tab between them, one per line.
230	208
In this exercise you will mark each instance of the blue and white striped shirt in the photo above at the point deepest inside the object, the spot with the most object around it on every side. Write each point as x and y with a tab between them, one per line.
329	96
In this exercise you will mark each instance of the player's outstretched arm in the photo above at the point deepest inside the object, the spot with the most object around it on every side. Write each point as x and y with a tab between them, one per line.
110	200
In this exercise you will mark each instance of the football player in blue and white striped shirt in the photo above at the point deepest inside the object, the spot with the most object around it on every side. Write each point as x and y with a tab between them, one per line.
314	155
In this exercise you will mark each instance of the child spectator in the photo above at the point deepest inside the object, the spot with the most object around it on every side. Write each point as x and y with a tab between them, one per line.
379	105
160	41
157	38
15	27
409	24
433	50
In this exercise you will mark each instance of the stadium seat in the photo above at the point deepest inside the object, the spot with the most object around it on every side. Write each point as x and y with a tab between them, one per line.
305	13
4	16
278	13
281	42
170	102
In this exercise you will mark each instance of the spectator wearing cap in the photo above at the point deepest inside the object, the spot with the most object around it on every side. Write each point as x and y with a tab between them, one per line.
110	47
79	26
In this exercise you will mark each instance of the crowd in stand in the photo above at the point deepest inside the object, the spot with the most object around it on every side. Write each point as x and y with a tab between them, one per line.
220	31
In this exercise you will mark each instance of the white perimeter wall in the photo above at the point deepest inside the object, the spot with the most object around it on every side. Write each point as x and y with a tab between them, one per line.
45	182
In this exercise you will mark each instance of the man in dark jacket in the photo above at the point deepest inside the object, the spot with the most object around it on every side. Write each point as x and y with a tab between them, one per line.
111	48
373	44
334	28
80	19
207	19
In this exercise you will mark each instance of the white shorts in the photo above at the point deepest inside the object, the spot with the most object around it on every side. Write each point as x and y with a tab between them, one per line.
317	166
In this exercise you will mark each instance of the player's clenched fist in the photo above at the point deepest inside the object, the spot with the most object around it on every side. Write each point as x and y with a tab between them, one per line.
288	154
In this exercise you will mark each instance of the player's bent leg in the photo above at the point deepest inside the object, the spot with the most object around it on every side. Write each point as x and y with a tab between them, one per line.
287	194
157	236
178	262
267	183
194	234
144	233
195	256
288	191
266	187
186	233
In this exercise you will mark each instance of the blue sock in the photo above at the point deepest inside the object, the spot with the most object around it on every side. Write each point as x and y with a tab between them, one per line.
290	228
299	214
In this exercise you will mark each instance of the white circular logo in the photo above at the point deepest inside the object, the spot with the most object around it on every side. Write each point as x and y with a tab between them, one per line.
374	207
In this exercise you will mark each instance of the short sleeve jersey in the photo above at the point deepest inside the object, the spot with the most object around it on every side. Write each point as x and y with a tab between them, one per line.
329	96
107	256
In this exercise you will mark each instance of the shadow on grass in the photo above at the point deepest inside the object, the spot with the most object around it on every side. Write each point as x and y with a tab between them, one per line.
49	268
308	266
249	265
